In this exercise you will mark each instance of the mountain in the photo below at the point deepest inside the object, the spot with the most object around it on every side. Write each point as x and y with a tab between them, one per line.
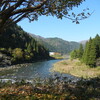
83	42
56	44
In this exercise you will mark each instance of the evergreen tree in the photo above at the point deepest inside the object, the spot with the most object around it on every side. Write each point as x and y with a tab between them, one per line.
92	55
97	44
80	51
29	48
74	54
89	56
87	51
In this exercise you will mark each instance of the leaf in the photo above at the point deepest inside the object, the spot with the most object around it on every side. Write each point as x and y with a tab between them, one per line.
77	22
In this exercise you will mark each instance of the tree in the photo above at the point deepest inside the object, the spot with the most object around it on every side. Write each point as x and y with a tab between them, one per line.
89	56
74	54
87	52
84	57
80	51
92	55
97	44
13	11
17	53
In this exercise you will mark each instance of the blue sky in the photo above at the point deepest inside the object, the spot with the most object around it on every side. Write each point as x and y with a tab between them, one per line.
65	29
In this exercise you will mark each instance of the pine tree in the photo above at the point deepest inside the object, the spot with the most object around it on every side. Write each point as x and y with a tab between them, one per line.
80	51
74	54
29	48
84	57
92	55
89	56
87	51
97	44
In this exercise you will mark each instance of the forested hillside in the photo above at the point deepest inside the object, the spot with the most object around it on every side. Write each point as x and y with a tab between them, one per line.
57	44
17	46
91	54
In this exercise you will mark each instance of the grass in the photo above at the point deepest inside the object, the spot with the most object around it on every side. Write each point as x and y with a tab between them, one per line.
76	68
58	56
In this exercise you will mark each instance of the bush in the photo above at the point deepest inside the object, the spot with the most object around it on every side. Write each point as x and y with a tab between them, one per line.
98	62
17	53
3	50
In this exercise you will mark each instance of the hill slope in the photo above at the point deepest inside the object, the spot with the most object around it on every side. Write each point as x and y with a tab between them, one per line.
18	46
57	44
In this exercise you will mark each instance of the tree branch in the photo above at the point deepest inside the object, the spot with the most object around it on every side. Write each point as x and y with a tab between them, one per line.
5	6
19	19
10	9
30	9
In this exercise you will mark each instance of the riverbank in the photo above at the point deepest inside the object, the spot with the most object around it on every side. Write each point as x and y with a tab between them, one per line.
51	89
27	70
76	68
12	69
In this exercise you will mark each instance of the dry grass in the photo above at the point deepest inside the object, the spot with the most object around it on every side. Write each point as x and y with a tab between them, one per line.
76	68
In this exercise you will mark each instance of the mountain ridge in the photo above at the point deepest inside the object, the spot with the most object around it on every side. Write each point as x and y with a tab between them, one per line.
56	44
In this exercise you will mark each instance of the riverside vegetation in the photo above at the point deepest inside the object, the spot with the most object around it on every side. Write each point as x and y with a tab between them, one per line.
16	46
84	62
76	68
90	55
53	88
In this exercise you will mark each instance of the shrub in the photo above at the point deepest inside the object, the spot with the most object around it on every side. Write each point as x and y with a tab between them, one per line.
3	50
98	62
17	53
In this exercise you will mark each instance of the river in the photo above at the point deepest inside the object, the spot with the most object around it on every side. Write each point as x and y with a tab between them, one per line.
37	69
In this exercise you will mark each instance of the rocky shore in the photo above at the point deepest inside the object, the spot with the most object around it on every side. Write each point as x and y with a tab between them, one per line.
5	60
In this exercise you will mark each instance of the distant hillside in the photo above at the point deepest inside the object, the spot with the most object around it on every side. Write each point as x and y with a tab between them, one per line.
57	44
18	46
83	42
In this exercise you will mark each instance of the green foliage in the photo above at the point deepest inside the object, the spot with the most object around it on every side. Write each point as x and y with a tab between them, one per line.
20	46
3	50
32	9
57	44
10	50
74	54
97	44
90	54
85	54
80	51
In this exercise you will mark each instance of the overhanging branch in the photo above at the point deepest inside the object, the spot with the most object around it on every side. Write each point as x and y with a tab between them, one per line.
28	9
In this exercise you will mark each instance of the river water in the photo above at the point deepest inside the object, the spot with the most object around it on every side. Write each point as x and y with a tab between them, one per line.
37	69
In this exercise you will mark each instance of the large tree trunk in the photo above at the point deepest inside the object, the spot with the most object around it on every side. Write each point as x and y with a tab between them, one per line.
2	26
